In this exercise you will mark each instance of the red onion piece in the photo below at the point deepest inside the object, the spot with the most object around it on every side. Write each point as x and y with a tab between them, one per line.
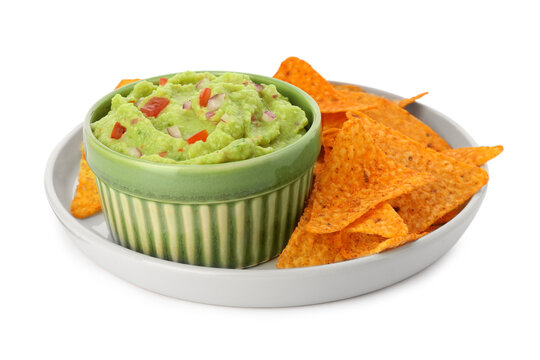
268	116
215	102
133	151
210	114
187	105
202	84
174	131
259	87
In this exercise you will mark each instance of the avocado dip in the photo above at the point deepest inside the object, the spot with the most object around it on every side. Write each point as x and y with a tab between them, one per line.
200	118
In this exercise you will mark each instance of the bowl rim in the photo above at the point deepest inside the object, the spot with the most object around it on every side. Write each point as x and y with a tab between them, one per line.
314	129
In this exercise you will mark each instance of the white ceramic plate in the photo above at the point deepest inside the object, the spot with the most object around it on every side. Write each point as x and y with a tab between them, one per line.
263	285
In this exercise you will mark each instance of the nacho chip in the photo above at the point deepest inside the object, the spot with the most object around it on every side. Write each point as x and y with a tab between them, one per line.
404	102
307	249
393	116
432	228
382	220
333	120
355	178
328	140
474	155
317	168
348	87
455	182
125	82
299	73
86	200
448	216
355	245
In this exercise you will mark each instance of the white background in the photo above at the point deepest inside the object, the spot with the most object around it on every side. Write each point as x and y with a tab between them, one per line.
480	63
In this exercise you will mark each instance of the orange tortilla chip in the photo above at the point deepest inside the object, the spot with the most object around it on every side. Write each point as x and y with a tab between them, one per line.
356	176
382	220
333	120
299	73
348	87
393	116
307	249
328	140
86	200
449	215
355	245
125	82
318	165
336	120
404	102
474	155
455	182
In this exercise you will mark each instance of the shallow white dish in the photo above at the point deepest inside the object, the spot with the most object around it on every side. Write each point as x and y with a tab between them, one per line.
263	285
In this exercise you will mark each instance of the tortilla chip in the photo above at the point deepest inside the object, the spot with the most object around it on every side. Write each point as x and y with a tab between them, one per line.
125	82
393	116
382	220
317	168
355	178
448	216
432	228
355	245
328	140
474	155
455	182
299	73
333	120
404	102
307	249
348	87
86	200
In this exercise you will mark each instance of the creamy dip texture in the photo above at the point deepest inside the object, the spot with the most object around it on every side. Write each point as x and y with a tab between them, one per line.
200	118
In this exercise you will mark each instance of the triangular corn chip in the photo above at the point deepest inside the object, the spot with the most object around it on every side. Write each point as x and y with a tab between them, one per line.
403	103
474	155
356	177
86	200
382	220
455	182
299	73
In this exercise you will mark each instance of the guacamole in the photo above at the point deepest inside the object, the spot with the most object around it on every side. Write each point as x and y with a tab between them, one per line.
200	118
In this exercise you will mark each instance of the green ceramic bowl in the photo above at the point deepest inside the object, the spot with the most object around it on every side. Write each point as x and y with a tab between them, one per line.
231	215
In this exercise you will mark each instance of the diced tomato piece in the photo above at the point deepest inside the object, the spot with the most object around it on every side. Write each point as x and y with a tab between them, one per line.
201	135
163	154
117	131
162	81
132	101
180	150
154	106
204	96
